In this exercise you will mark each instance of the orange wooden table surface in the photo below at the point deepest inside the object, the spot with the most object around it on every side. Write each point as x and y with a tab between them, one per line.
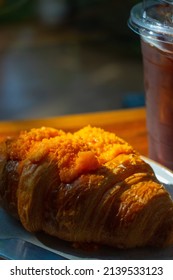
129	124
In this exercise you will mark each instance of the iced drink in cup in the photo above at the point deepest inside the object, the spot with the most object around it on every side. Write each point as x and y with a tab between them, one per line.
153	21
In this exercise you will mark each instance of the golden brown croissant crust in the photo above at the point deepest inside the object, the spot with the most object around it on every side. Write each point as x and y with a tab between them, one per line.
89	186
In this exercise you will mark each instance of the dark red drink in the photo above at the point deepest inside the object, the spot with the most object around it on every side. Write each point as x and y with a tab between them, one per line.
158	79
153	21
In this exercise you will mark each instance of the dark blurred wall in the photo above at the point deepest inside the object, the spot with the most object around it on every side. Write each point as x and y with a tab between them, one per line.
109	17
67	56
106	16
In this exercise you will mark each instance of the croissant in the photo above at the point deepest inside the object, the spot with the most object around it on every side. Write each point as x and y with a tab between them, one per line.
89	186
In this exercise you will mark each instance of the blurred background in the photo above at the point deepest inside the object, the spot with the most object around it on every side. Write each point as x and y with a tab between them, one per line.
62	57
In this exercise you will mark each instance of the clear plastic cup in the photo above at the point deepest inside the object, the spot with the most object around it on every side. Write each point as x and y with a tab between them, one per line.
153	21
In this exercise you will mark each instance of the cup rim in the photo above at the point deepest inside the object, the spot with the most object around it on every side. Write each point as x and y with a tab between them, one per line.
144	26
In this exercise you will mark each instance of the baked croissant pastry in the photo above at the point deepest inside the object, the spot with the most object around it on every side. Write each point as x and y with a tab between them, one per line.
89	186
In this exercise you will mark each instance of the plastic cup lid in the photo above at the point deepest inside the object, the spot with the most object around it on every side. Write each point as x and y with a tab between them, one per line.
153	19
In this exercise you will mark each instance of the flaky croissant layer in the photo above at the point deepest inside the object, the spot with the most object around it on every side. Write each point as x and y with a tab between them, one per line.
90	186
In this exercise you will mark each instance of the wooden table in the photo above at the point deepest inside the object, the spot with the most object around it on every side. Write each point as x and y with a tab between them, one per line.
129	124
